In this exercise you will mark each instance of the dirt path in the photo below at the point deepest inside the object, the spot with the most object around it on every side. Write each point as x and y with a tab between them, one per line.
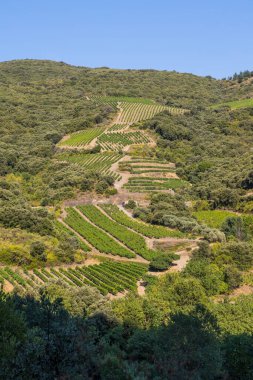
117	121
180	264
124	175
242	290
141	289
128	213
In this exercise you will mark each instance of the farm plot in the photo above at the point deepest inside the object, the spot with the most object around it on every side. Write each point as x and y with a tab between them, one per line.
139	167
95	236
99	162
151	231
143	184
107	100
135	109
134	112
213	218
117	128
61	229
82	138
118	140
107	277
129	238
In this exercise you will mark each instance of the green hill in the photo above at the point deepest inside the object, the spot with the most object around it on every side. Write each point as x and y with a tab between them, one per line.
126	234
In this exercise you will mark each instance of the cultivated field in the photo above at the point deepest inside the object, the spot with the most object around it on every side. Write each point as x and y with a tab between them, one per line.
151	231
131	110
145	184
119	140
108	277
99	162
82	138
104	229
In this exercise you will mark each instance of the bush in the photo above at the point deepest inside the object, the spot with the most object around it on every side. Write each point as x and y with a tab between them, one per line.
37	250
162	262
131	204
240	253
234	226
111	191
233	277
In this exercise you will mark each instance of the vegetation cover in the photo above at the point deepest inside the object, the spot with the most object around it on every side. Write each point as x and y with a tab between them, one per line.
89	290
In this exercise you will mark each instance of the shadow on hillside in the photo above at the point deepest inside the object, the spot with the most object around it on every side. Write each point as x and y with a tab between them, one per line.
41	340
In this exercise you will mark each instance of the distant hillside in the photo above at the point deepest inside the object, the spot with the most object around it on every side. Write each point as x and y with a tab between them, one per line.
171	88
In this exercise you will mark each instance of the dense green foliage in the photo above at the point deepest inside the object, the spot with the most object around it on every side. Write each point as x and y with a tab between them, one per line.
57	337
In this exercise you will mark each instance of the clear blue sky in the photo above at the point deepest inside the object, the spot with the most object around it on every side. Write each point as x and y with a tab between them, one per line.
205	37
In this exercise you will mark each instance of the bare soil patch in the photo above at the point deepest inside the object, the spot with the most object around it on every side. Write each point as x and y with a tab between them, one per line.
141	288
245	290
7	287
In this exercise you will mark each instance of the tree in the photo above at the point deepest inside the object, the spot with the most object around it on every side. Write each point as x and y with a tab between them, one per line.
163	261
247	183
239	357
240	252
12	333
234	226
37	250
232	277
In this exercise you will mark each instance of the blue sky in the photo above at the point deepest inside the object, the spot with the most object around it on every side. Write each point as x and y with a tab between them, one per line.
204	37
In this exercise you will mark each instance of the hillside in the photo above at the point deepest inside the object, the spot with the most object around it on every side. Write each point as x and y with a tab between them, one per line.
126	225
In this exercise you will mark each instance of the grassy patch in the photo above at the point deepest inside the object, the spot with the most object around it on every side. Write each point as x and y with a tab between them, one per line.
243	103
213	218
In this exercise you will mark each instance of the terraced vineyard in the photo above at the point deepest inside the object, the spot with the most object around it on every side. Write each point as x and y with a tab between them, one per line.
105	229
82	138
62	229
108	277
144	184
146	166
135	109
117	127
99	162
129	238
151	231
118	140
134	112
95	236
